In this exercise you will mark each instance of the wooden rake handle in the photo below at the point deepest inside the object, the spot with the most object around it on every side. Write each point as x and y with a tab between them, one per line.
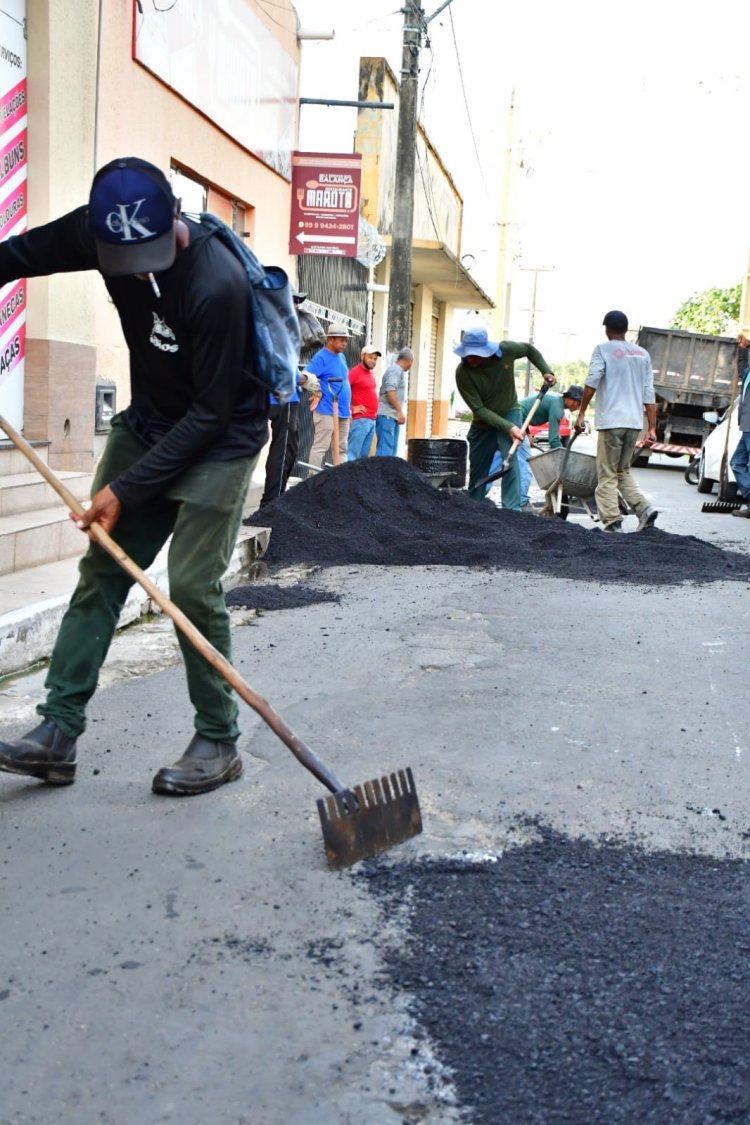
301	751
526	422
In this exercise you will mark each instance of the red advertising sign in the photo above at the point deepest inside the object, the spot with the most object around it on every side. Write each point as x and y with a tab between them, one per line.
13	195
325	204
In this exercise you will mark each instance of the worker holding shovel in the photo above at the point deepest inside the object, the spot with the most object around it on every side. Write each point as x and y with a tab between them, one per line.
486	382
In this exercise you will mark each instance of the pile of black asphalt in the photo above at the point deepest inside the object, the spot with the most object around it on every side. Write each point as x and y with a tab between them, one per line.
265	596
380	510
579	981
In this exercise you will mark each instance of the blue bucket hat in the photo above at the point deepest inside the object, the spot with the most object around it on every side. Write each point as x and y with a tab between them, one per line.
474	341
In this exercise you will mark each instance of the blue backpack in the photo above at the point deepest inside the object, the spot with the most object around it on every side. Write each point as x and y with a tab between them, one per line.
276	338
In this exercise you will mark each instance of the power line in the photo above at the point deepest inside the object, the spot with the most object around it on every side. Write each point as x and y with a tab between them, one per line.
263	5
21	23
466	101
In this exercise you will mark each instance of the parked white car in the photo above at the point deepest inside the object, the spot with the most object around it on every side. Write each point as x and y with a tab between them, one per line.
717	453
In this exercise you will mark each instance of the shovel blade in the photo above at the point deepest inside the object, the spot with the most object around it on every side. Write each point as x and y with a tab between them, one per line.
498	473
369	819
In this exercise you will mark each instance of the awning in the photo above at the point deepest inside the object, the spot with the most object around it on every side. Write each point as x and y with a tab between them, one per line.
434	265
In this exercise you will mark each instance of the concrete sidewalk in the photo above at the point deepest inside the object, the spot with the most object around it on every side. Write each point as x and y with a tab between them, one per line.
32	602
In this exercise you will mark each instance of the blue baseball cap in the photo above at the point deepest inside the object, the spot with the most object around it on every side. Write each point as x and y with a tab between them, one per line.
131	216
475	341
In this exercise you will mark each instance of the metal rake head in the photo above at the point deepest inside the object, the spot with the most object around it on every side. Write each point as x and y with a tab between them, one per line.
722	506
369	818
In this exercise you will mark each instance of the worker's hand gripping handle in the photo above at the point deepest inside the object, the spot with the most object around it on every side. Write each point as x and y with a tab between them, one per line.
516	442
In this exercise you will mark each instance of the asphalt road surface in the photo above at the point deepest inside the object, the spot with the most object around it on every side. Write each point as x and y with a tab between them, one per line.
565	942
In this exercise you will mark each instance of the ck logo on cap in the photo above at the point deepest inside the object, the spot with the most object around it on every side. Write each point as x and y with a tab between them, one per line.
126	221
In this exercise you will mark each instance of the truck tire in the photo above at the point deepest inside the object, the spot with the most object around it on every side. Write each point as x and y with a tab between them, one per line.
704	484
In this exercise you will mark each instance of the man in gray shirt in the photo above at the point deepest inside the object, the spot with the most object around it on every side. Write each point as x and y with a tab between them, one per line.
391	404
621	377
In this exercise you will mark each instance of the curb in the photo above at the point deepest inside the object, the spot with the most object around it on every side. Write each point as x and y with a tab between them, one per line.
27	635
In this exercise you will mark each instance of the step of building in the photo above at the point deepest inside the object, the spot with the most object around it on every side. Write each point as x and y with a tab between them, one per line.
33	601
35	528
13	461
28	492
30	539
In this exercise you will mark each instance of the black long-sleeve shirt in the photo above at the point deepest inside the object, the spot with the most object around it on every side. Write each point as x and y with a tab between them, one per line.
193	395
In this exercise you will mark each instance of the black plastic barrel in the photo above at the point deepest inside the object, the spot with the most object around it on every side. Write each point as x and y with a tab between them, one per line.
435	456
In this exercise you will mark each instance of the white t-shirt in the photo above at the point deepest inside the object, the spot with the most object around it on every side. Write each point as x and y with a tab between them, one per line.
624	381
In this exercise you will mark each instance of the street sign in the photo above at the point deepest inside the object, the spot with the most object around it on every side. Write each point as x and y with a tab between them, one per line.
325	204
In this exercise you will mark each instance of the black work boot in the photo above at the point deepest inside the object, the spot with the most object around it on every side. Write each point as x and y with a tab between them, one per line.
205	765
45	752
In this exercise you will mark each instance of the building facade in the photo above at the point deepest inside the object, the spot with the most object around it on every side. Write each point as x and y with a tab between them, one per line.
209	93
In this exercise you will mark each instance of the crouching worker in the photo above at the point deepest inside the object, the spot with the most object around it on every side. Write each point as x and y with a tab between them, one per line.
177	461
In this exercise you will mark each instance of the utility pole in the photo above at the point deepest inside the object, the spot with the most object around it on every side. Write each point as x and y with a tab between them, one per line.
502	310
536	270
567	336
399	303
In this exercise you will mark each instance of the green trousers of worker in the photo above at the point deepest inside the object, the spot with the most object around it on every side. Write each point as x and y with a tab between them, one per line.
614	455
484	443
201	510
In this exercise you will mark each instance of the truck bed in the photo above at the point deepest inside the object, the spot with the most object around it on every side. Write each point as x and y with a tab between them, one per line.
690	367
693	372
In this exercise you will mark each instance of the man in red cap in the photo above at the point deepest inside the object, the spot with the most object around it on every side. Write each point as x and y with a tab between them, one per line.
364	404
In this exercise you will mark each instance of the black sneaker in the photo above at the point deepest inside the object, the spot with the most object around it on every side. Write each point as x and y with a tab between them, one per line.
205	765
616	526
45	752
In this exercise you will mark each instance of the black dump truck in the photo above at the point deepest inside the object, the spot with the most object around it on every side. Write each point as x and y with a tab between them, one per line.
692	373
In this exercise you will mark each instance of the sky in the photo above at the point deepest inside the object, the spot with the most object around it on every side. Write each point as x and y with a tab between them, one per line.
630	153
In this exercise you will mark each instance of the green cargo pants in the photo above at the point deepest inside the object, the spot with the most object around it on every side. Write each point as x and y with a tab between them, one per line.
484	443
201	510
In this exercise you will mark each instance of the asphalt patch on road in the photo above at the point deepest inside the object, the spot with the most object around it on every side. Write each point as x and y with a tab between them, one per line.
268	597
571	981
382	511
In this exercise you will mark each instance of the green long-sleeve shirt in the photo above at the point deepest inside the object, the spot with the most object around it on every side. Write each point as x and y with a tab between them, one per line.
490	390
550	410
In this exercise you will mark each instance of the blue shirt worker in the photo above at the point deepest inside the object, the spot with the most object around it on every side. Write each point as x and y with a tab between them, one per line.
332	371
621	377
740	460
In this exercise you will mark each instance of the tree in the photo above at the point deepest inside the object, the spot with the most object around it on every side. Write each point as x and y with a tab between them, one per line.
715	311
570	371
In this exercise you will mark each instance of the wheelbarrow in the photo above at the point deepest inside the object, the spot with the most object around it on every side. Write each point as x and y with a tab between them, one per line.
566	475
